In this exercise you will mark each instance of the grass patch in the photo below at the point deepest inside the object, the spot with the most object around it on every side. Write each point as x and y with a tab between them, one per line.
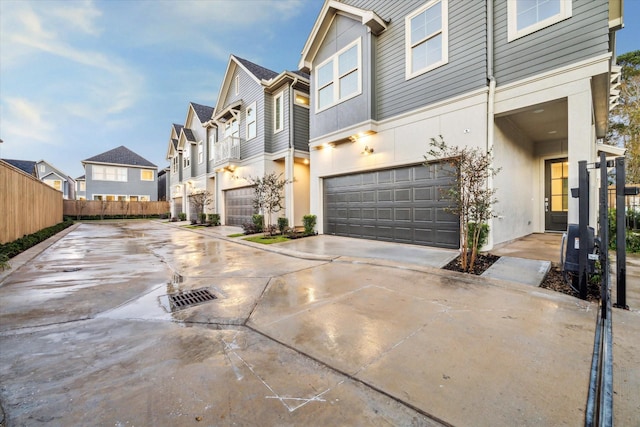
267	240
236	235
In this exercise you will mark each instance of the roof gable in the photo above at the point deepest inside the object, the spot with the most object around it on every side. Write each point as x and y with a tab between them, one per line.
319	31
120	156
203	112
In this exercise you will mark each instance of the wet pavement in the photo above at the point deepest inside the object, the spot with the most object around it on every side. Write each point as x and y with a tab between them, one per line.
88	337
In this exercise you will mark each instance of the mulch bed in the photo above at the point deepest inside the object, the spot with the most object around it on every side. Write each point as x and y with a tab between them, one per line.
553	281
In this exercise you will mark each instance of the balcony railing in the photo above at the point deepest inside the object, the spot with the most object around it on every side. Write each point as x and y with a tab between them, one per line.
226	150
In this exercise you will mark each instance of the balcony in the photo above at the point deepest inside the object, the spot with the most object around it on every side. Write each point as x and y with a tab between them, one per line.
226	152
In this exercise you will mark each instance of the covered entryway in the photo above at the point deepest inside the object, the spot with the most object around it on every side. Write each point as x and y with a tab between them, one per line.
556	197
239	205
403	205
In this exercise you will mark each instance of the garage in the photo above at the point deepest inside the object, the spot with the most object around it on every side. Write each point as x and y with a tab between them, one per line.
404	205
239	206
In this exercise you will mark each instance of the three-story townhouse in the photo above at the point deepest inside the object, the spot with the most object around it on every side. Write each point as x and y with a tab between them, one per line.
529	80
262	122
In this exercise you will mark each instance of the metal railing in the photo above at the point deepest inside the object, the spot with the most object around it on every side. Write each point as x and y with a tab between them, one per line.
226	150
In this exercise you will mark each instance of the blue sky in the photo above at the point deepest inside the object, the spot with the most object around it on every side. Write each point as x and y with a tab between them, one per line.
78	78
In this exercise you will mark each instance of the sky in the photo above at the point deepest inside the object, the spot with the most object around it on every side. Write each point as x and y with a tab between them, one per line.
81	77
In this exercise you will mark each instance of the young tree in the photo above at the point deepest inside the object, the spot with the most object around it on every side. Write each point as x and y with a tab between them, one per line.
471	196
200	200
624	120
268	194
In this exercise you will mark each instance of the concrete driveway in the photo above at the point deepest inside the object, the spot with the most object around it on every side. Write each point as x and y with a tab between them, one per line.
87	337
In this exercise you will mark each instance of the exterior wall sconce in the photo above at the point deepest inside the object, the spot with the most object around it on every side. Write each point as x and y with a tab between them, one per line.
367	150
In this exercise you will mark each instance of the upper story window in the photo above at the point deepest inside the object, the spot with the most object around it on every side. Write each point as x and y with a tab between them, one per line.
82	185
55	183
186	157
200	152
146	174
278	113
301	99
237	85
108	173
43	168
528	16
231	128
212	141
252	128
339	78
426	38
174	164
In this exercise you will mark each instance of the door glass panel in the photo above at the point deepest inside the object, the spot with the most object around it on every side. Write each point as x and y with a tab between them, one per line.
560	187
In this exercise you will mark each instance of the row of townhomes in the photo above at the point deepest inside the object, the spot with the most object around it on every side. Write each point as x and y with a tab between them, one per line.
49	174
533	81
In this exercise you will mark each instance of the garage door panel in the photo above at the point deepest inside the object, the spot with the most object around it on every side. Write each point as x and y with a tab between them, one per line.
239	205
405	204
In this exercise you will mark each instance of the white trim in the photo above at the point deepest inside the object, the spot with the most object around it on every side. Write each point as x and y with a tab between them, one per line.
443	32
142	171
237	84
213	138
297	93
252	106
336	76
512	14
278	121
200	152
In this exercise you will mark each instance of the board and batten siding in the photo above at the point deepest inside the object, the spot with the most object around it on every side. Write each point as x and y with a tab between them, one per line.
584	35
342	32
300	128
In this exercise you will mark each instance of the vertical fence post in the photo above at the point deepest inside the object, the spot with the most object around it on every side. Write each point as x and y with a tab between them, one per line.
621	243
583	223
604	234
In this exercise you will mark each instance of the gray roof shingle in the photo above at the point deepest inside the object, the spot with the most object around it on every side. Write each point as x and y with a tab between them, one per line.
120	156
27	166
188	133
260	72
203	112
177	128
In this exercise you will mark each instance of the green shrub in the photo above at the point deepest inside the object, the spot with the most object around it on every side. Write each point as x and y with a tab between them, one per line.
202	217
482	239
214	219
309	222
258	222
283	223
182	216
11	249
4	262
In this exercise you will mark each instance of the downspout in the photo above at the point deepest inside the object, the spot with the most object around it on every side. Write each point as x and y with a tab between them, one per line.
290	158
490	106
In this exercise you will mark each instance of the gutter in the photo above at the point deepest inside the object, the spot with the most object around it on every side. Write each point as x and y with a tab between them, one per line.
490	105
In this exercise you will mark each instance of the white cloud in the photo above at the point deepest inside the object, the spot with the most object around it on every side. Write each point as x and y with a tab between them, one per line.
26	122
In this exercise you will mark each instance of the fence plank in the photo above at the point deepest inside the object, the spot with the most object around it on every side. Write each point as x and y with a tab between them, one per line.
101	208
27	205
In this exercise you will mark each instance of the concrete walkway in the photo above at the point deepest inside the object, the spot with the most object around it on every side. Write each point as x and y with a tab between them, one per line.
328	339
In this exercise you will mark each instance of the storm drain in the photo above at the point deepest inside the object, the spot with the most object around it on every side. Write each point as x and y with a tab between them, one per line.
190	298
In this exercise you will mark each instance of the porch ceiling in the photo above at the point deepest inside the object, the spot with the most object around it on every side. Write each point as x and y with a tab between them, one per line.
542	122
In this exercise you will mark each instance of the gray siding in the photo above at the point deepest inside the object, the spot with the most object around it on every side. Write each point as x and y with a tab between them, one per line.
343	31
279	141
134	186
582	36
464	72
300	128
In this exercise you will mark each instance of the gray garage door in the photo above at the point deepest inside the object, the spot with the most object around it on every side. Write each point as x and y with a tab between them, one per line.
403	205
239	205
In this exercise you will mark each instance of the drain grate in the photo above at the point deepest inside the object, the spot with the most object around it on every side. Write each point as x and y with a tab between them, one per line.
190	298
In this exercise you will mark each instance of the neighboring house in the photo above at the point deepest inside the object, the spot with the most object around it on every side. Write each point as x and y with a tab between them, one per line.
530	80
49	174
27	166
163	190
81	188
57	179
260	125
120	174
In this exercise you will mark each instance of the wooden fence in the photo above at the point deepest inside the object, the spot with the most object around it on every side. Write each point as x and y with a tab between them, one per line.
113	209
27	205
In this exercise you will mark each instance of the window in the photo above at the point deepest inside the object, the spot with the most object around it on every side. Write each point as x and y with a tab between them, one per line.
301	99
174	164
528	16
278	113
55	183
82	185
43	168
186	157
97	197
251	121
426	38
560	187
133	198
231	129
339	77
237	81
212	142
109	173
146	174
200	152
